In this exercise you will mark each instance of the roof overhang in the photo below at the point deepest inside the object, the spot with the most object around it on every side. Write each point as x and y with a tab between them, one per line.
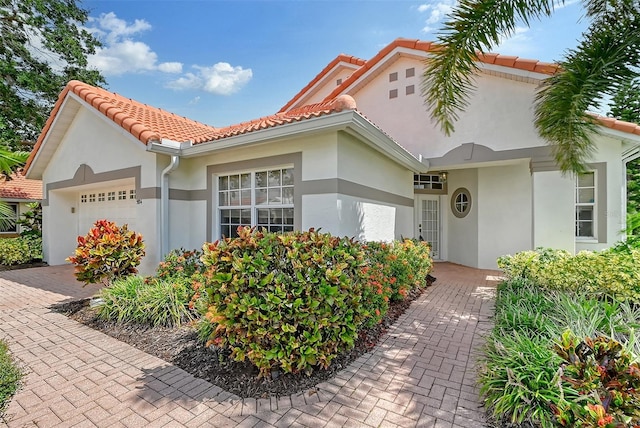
349	121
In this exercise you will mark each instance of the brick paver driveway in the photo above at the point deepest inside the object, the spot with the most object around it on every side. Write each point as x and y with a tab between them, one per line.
420	374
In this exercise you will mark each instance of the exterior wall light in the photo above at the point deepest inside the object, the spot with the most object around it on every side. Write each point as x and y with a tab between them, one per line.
443	176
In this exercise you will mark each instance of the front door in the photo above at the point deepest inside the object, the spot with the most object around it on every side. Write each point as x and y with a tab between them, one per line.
428	222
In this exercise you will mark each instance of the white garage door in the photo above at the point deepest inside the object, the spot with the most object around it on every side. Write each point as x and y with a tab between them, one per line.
116	204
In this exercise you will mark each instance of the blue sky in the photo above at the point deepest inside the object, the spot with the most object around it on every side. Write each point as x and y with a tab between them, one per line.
224	62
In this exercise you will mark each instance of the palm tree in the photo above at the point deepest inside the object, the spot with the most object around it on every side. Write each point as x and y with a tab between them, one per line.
9	162
606	58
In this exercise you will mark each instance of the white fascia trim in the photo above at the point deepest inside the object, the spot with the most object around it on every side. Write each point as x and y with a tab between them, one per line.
512	71
348	120
631	138
30	173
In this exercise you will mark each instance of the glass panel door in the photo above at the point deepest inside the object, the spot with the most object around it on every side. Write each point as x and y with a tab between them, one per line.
429	223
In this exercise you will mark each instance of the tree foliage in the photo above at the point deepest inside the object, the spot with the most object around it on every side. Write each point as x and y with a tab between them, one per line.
607	56
42	46
625	104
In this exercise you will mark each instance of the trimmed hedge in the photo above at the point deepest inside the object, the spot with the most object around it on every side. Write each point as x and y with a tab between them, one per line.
20	250
614	274
293	302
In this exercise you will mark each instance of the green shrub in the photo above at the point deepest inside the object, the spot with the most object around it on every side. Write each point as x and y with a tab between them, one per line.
291	302
377	282
31	221
151	301
608	274
107	252
409	263
20	250
180	264
10	376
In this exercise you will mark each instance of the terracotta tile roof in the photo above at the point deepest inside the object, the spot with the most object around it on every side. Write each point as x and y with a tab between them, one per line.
20	187
618	125
340	103
489	58
144	122
337	60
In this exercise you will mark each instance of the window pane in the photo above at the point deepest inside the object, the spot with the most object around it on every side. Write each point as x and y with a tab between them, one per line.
275	229
225	216
246	197
223	183
245	181
223	198
245	217
585	213
288	216
287	177
586	180
261	196
225	231
274	196
235	198
234	182
274	178
586	196
263	216
261	179
287	195
235	216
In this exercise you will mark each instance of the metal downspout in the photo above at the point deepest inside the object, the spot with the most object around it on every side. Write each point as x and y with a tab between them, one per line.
164	205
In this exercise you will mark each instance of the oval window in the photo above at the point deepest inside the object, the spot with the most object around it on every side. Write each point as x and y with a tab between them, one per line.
461	202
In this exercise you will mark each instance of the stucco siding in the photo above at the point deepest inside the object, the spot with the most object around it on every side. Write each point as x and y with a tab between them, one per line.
553	210
500	114
504	205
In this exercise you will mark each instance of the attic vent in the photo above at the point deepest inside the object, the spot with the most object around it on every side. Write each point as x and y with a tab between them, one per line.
410	72
393	93
338	82
410	89
393	76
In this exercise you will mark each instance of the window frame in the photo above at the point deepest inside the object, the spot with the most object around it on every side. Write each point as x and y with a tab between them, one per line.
253	206
594	207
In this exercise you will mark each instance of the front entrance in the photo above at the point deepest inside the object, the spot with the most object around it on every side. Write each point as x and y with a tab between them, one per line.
428	222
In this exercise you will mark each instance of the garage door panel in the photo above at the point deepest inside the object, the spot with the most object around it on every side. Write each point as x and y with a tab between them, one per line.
117	204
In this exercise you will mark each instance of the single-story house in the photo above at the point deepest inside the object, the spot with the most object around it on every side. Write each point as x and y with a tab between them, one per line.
18	192
354	153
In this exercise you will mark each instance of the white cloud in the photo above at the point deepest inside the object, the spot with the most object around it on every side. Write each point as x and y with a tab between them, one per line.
437	12
121	53
195	100
520	43
220	79
170	67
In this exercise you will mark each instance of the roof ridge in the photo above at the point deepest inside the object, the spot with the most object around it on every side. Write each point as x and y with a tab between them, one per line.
425	46
350	59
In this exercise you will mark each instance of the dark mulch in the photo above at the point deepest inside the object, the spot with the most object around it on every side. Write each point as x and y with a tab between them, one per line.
36	263
181	347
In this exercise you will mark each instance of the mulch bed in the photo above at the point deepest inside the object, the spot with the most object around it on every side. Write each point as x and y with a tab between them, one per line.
23	266
180	346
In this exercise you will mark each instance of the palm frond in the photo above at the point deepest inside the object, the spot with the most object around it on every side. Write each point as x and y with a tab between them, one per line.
473	26
607	57
10	161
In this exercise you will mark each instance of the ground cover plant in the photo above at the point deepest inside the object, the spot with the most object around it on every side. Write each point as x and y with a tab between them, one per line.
10	375
300	294
561	357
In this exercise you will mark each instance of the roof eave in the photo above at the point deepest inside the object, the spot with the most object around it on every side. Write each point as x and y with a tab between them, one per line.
348	120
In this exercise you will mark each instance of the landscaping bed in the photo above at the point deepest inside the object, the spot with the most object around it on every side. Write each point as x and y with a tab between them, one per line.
180	346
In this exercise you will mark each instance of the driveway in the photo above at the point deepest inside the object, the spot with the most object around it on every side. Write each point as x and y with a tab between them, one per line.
420	374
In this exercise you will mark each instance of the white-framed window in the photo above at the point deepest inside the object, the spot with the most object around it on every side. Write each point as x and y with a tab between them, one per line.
101	197
111	196
427	181
10	219
262	198
586	205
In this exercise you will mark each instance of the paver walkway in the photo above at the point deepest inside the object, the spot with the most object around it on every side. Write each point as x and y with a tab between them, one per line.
420	374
